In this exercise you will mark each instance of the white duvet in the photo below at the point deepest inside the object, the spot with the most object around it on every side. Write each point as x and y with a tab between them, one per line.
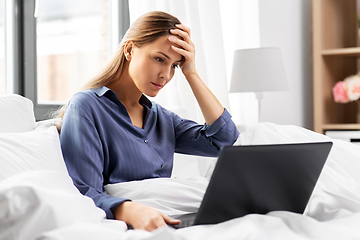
332	213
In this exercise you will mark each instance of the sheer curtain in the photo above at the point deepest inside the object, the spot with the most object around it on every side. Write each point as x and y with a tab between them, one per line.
240	23
217	29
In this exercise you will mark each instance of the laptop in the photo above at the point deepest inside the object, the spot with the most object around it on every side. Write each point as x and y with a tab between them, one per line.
260	179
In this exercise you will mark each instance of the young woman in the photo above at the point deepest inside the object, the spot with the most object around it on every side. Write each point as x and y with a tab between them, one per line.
112	133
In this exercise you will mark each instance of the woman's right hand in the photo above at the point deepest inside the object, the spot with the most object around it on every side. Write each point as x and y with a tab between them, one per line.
142	217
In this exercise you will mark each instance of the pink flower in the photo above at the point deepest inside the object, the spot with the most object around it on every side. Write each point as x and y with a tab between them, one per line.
339	92
353	87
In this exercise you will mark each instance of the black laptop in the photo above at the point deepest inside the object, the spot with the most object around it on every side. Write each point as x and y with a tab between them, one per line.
260	179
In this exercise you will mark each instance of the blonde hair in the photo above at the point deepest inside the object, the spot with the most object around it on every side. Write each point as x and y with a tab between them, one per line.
146	29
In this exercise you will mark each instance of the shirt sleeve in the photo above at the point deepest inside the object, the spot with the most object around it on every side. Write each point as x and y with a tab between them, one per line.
204	140
83	155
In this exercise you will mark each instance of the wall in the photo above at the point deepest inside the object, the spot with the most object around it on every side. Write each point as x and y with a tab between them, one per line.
287	25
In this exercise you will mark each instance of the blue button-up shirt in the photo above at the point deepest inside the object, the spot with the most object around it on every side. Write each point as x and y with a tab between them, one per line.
101	146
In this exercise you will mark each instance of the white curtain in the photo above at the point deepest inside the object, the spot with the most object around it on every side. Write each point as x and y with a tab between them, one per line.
241	30
218	27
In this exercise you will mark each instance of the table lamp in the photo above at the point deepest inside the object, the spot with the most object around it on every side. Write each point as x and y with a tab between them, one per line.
258	70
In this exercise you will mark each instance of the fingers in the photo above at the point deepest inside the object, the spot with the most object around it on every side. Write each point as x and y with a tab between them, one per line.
182	44
154	222
159	220
184	28
182	31
170	220
178	44
150	220
142	217
181	51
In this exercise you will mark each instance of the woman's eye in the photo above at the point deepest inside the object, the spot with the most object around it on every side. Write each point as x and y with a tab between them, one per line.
175	65
159	59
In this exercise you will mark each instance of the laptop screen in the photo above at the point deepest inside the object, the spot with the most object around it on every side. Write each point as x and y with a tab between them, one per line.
262	178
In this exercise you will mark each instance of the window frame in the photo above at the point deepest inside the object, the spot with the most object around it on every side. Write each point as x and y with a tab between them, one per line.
12	28
27	46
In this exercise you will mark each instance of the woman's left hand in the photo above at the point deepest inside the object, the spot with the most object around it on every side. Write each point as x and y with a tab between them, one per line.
182	44
184	47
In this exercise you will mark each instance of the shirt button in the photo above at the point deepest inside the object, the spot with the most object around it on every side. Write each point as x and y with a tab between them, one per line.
146	141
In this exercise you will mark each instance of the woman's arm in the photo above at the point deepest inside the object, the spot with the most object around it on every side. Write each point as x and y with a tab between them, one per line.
82	152
210	107
83	155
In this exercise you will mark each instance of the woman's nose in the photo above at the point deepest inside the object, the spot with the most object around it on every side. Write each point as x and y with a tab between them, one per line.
166	73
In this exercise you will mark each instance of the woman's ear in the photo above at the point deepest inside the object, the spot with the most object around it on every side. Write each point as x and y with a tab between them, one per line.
128	49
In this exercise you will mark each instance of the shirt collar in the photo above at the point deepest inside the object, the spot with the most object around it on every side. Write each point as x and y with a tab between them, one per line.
102	90
145	101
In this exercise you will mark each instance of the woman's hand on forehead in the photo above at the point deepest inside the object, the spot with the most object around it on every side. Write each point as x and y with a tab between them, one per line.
184	46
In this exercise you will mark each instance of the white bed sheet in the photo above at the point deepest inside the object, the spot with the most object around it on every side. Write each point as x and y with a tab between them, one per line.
333	211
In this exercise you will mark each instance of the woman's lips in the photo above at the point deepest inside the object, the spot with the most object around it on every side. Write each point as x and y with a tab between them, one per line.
158	86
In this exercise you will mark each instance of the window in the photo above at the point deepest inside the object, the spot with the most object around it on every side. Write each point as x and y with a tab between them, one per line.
66	43
74	41
2	47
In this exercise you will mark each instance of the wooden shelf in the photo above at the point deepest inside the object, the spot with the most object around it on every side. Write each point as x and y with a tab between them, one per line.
352	126
346	52
336	53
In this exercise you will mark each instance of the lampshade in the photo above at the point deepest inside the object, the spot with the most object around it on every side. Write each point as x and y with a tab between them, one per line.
258	70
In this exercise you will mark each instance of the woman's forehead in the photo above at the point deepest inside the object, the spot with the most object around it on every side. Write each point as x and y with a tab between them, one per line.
162	44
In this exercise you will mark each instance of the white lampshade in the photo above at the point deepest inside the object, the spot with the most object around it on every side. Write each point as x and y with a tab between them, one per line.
258	70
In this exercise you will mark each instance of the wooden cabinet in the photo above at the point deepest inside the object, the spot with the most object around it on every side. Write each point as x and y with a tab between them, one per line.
336	54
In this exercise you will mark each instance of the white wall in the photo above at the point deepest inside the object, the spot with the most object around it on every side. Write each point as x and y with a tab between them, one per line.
287	24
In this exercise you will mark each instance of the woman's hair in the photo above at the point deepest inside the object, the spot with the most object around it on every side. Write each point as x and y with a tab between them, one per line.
146	29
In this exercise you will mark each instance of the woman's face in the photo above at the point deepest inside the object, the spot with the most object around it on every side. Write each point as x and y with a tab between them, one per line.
152	66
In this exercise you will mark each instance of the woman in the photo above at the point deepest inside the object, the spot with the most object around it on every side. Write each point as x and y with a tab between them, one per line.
112	133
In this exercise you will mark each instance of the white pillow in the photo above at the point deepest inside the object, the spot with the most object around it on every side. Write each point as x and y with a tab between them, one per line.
36	191
32	203
17	114
30	151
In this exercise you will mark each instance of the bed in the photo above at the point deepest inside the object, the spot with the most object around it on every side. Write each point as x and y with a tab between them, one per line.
39	201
